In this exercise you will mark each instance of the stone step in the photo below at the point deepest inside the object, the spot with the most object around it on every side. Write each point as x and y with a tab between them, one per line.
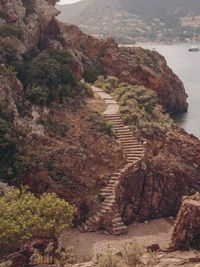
113	183
126	140
117	224
117	124
116	173
117	127
120	136
132	139
123	130
112	118
115	120
107	205
106	194
107	190
111	101
105	209
119	230
113	115
133	161
110	198
133	153
133	157
117	220
138	147
113	180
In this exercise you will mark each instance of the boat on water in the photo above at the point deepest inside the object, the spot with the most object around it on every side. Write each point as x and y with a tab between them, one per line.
194	47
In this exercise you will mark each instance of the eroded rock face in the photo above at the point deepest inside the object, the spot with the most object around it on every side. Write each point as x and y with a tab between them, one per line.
133	65
170	170
33	17
187	227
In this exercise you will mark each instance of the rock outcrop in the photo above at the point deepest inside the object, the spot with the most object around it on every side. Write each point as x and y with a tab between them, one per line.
186	232
133	65
34	18
170	170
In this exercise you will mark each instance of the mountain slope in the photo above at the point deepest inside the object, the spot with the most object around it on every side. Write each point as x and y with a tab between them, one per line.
130	20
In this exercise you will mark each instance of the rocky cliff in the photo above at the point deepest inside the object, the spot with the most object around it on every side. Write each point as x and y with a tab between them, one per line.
133	65
170	171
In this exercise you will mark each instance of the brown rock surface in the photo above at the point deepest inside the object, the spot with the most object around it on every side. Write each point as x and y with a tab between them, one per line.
134	65
187	227
171	170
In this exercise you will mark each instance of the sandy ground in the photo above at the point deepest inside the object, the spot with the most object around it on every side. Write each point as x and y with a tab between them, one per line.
85	245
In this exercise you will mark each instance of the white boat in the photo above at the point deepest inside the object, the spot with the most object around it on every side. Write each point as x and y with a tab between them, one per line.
194	48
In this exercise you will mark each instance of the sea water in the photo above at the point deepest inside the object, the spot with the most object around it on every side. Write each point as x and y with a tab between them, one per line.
187	66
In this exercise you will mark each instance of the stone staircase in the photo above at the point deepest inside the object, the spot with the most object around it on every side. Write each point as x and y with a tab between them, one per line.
108	216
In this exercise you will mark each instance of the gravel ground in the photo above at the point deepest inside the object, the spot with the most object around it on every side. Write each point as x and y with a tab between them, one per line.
85	245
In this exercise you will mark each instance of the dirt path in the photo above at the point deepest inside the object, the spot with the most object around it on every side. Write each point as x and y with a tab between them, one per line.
85	245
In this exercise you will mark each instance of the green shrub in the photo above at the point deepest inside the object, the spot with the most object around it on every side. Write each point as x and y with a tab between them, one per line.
90	75
138	106
37	94
107	84
49	77
8	50
8	149
2	14
24	216
112	83
13	164
8	30
30	7
44	70
61	56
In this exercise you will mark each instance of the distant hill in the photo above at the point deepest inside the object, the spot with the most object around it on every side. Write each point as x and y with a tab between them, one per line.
135	20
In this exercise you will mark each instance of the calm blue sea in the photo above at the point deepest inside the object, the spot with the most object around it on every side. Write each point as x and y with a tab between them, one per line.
187	66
